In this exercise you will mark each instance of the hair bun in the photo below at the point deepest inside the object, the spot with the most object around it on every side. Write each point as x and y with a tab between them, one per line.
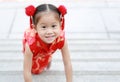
62	9
30	10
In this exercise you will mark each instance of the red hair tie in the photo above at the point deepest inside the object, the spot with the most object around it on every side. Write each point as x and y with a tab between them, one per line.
63	11
30	10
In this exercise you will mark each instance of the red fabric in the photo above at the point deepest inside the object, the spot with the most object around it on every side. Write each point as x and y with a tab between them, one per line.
42	52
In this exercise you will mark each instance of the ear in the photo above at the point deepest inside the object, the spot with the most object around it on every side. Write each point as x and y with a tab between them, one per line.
33	26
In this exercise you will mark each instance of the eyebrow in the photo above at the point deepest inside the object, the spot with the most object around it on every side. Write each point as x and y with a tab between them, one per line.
45	23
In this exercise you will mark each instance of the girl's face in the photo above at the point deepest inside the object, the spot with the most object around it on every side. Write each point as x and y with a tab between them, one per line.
48	27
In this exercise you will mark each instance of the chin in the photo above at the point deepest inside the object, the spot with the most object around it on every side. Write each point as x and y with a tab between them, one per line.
49	42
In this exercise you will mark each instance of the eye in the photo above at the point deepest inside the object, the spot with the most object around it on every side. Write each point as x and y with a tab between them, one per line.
43	26
54	26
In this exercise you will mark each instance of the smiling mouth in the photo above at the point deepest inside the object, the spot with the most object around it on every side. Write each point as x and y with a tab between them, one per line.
49	36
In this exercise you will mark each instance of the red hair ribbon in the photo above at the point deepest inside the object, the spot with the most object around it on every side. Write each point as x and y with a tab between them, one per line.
30	10
63	11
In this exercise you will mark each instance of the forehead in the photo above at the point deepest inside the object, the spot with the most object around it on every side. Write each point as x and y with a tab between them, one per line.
47	15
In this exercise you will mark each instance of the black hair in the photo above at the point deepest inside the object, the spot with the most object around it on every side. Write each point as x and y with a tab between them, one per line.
44	7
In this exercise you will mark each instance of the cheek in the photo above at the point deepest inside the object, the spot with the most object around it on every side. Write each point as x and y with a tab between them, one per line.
40	33
58	32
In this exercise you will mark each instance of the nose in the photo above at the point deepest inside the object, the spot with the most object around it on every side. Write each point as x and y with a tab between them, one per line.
49	31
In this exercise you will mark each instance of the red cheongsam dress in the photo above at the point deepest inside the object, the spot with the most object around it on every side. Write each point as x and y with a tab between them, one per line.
42	52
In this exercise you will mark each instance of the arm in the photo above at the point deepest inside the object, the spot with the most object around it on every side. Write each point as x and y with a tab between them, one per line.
67	62
27	64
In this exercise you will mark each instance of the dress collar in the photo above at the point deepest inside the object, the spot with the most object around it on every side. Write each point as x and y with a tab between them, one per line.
45	46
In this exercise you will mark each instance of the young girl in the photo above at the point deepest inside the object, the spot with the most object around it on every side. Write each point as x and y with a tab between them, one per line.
43	38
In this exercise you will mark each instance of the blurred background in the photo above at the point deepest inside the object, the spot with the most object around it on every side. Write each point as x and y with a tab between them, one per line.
93	31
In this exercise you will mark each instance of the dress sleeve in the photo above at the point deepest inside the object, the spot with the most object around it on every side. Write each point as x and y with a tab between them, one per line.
29	37
61	40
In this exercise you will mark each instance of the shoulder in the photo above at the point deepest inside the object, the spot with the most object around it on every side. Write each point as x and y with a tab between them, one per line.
29	32
60	40
29	35
65	46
